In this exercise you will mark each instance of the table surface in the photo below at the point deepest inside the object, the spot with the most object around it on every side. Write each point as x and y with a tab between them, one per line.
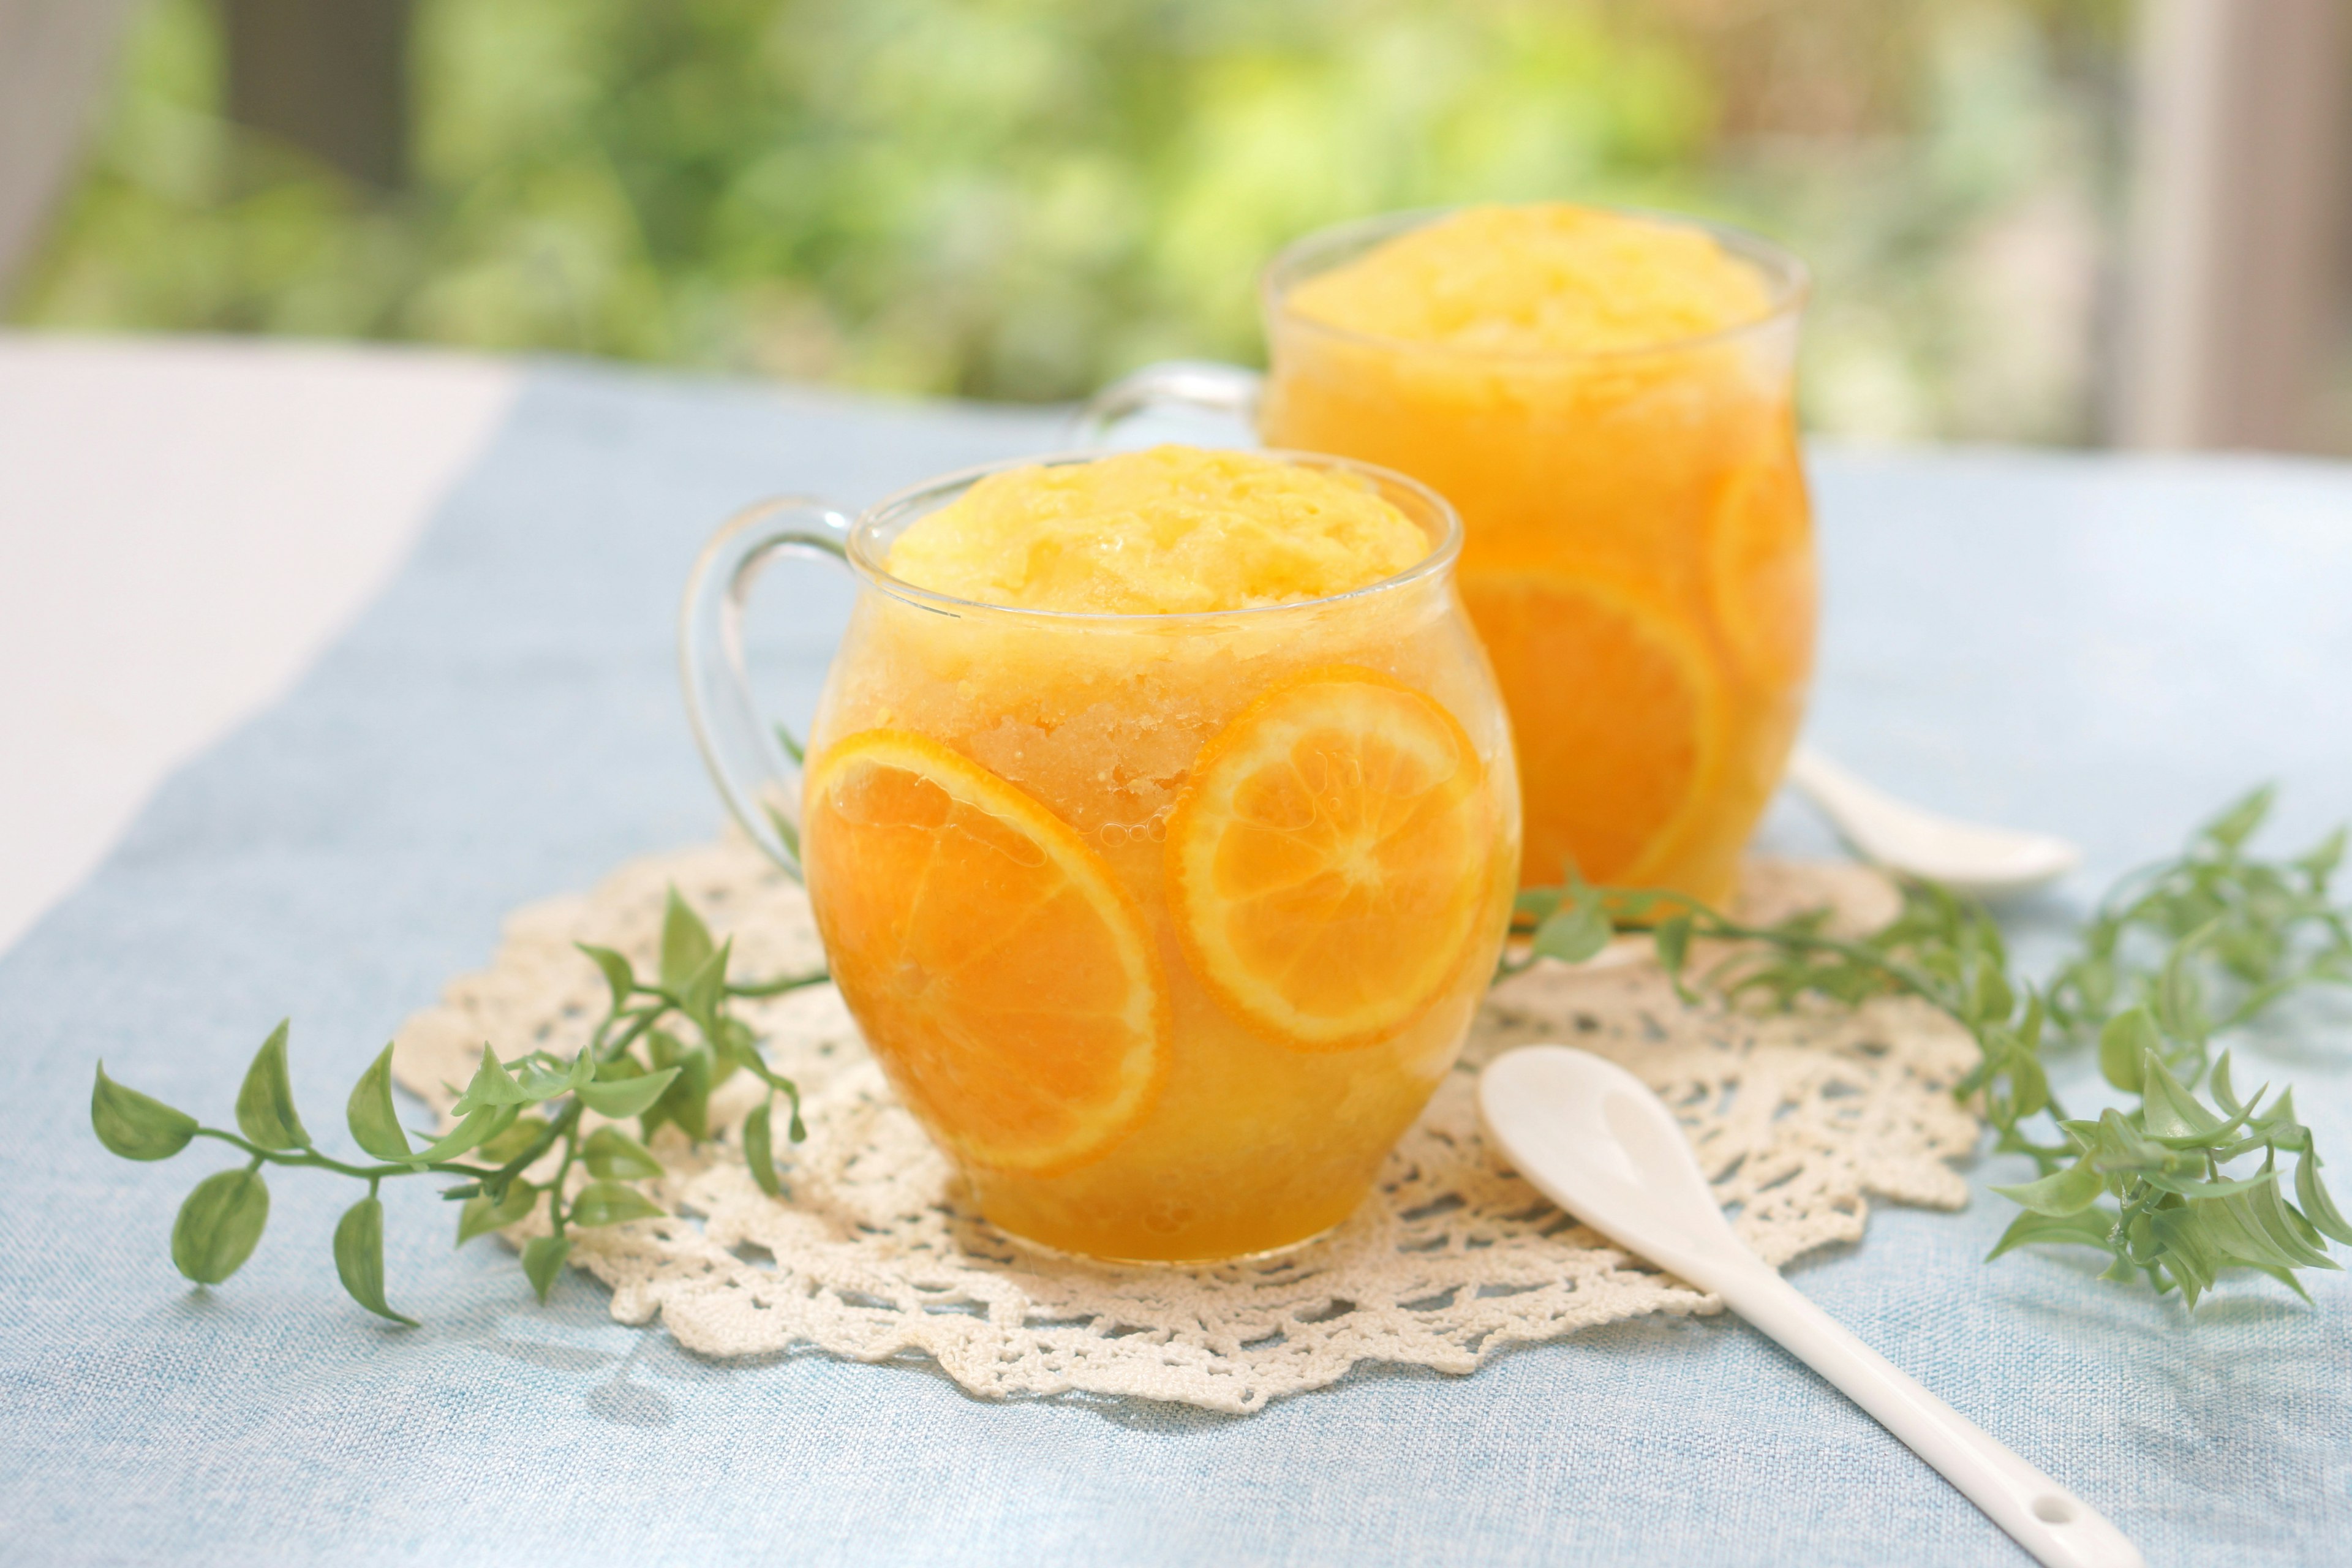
2106	647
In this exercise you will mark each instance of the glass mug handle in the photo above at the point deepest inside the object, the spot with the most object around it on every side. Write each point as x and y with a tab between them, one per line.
755	764
1201	385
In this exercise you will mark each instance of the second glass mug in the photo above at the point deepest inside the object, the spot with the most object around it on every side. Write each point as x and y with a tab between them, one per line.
1028	838
1638	555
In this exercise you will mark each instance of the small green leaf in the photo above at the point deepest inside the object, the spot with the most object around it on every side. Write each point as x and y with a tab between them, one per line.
542	1261
2061	1192
265	1105
2172	1111
2215	1139
609	1152
686	944
687	1102
2308	1232
2195	1188
2278	1222
2279	1121
791	747
1995	998
2089	1228
2320	862
2225	1093
2229	1230
541	1082
2177	998
705	988
2286	1277
735	1045
611	1203
2029	1084
1574	932
375	1126
477	1127
2318	1207
743	1051
2083	1134
358	1256
2093	983
2117	1145
2184	1246
134	1125
1535	903
1673	938
517	1138
2237	824
629	1095
2029	1028
492	1085
2126	1041
759	1148
219	1224
480	1216
618	975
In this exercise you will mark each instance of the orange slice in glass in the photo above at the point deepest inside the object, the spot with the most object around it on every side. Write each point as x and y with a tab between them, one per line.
1616	714
1005	980
1329	858
1760	567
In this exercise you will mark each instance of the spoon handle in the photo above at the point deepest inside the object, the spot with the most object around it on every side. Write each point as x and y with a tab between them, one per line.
2060	1528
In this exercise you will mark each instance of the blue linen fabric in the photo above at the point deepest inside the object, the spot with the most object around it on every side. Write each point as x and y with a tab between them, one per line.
2104	648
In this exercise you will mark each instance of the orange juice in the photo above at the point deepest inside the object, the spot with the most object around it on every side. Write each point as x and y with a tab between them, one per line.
1607	399
1161	822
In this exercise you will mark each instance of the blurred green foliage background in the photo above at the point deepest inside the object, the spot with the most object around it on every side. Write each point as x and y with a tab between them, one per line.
1021	198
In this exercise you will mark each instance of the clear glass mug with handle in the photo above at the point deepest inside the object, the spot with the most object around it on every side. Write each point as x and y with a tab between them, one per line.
1638	555
1165	927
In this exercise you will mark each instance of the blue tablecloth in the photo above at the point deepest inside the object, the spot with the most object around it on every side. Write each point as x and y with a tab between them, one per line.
2106	647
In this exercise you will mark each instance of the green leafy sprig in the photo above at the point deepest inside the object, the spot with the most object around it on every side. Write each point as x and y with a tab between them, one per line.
657	1054
2208	940
2180	952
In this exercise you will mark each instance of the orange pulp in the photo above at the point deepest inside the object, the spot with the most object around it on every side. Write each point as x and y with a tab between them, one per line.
1606	400
1163	920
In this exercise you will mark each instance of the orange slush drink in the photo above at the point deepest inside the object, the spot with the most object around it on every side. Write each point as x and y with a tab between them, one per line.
1606	400
1164	889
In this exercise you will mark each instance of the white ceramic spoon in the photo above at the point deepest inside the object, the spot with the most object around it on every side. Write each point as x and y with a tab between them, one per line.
1966	857
1595	1139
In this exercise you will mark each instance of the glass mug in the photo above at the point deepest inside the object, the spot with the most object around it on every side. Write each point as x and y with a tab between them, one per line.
1638	555
1164	926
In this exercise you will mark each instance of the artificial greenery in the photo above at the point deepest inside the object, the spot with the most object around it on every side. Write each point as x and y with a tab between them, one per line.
2180	952
2177	954
638	1064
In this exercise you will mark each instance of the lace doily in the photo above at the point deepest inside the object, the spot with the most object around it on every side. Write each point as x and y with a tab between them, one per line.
873	1254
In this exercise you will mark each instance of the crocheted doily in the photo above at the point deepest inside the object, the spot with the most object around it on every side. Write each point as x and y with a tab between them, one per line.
872	1253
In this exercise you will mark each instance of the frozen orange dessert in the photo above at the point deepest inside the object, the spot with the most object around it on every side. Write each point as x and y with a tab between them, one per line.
1607	399
1161	826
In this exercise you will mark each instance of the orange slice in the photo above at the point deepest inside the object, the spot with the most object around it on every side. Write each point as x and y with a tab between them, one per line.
1760	567
1329	857
1617	716
1004	979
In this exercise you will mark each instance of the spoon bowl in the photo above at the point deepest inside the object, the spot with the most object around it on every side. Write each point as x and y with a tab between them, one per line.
1969	857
